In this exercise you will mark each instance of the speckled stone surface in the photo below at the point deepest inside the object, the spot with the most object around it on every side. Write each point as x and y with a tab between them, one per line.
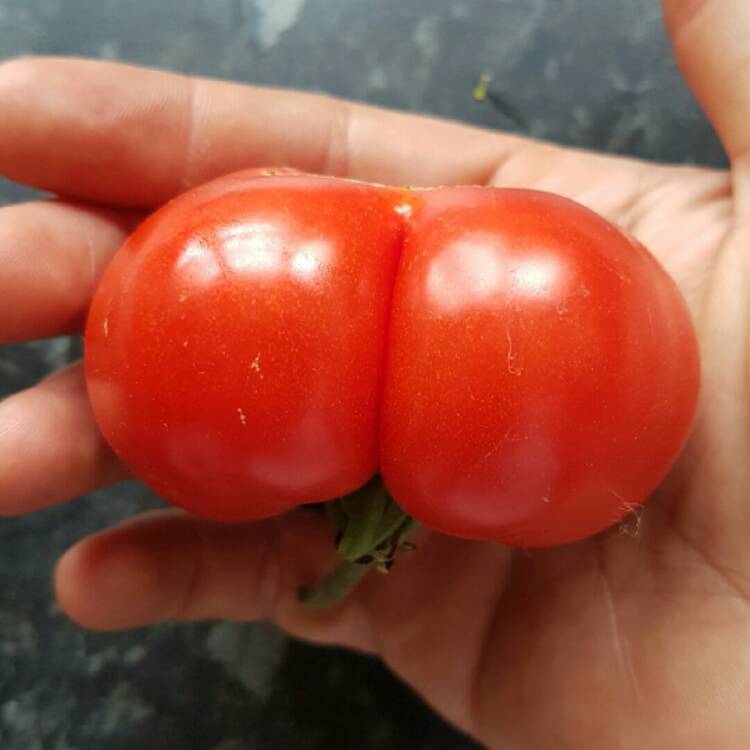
586	72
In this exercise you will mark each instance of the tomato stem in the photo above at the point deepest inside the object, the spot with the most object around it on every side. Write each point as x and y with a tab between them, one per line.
335	586
371	529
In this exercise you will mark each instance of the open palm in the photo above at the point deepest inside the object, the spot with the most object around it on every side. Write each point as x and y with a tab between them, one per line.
638	637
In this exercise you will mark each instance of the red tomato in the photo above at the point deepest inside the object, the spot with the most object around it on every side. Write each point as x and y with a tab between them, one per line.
516	368
234	347
542	369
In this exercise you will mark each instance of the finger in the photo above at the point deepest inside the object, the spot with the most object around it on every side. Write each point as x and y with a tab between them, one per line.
172	566
51	256
710	39
114	133
50	447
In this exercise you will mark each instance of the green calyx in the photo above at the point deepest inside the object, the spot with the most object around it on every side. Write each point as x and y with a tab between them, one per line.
370	530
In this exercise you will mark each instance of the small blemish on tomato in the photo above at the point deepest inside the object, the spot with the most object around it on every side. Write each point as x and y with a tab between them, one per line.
255	365
105	328
243	418
513	369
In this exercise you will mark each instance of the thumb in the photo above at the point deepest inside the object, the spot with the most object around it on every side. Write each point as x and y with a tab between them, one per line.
168	565
711	40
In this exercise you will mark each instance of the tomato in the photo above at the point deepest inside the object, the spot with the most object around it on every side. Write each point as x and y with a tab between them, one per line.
543	370
234	346
515	367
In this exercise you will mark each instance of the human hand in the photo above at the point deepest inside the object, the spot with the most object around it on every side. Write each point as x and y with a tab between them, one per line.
623	640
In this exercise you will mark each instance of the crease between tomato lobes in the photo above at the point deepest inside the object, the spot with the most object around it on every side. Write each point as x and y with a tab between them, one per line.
515	367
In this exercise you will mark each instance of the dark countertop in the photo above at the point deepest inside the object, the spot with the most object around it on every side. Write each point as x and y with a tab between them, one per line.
585	72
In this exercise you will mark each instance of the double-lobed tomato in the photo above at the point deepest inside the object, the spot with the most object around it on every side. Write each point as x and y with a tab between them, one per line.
515	367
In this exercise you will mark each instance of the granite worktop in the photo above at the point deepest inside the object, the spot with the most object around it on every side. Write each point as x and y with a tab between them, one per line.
593	73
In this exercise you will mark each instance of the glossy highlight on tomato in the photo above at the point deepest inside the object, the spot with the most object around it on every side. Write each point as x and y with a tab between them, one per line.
515	367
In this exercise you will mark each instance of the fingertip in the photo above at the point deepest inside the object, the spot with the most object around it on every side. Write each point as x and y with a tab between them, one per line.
13	72
52	449
168	565
113	581
71	591
21	72
92	130
710	44
677	13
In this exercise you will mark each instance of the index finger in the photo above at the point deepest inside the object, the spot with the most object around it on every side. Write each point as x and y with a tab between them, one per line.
114	133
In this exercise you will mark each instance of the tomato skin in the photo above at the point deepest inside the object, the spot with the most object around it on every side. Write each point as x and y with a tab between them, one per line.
516	368
542	370
234	349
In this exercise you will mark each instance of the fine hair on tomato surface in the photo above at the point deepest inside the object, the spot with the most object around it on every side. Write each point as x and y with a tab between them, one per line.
514	367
